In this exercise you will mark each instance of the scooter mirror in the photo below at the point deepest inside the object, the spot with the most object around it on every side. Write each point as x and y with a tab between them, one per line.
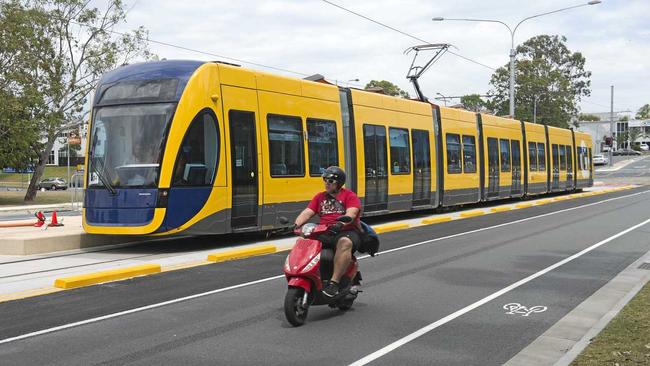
344	219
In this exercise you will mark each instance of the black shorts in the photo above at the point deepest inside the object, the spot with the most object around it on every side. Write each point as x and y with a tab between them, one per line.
330	241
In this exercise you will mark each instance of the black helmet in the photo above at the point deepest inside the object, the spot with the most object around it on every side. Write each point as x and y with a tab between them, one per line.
335	173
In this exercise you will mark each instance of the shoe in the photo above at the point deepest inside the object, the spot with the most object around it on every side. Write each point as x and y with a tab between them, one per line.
331	290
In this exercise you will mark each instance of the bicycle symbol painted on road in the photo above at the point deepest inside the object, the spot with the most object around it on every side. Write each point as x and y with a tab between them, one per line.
516	308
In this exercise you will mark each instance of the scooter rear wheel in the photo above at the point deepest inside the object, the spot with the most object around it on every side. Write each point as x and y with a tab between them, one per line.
295	312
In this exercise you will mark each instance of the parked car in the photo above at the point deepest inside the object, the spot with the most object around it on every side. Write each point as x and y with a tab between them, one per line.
644	147
626	152
600	160
52	184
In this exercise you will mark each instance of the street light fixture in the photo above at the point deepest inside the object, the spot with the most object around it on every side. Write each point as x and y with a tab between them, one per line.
512	40
444	99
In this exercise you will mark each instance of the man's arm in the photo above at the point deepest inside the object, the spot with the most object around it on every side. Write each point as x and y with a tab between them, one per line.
352	212
304	216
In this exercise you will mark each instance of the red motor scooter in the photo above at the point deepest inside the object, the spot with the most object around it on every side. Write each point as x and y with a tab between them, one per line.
308	267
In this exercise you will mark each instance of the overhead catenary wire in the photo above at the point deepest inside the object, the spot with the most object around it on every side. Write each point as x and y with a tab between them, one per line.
238	60
404	33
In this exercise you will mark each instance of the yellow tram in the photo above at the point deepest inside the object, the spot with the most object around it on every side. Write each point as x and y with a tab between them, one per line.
209	148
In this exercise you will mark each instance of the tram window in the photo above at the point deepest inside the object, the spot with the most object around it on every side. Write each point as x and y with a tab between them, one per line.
453	153
197	157
322	145
562	158
532	156
286	150
504	148
569	159
541	156
469	154
400	151
579	158
516	158
589	161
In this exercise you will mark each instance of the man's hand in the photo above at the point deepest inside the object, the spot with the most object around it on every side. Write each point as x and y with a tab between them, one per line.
335	228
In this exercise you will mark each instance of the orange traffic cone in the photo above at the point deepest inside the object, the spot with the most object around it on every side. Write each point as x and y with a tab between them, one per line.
41	219
54	221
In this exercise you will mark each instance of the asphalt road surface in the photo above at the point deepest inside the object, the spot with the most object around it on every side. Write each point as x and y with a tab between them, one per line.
436	297
640	168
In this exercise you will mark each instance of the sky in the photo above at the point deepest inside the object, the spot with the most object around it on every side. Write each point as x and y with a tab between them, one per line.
311	36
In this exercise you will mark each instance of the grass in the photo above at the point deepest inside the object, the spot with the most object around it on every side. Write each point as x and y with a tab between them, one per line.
42	198
22	180
626	340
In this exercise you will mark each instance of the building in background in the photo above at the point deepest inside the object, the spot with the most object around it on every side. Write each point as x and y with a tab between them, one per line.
59	154
599	130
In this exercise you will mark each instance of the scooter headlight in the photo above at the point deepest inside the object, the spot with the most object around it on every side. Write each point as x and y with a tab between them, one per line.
307	229
311	263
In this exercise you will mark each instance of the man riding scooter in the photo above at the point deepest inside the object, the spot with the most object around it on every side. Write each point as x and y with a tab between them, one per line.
334	202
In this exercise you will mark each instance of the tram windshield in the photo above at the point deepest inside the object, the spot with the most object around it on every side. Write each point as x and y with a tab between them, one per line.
126	145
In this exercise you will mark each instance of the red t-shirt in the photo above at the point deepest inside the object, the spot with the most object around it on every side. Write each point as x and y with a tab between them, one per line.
329	208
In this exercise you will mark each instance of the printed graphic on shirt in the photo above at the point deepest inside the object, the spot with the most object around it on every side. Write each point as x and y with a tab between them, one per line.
331	206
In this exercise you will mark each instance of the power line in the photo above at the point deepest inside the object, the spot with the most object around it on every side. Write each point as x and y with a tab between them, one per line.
167	44
403	33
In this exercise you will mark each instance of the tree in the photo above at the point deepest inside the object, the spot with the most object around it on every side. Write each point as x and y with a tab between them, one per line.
78	46
621	139
644	112
472	102
633	134
21	103
546	71
388	88
588	117
624	119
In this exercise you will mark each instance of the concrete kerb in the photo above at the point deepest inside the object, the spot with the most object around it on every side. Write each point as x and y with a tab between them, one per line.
568	337
254	250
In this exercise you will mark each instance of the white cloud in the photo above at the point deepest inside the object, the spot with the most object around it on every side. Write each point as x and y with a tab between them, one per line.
310	36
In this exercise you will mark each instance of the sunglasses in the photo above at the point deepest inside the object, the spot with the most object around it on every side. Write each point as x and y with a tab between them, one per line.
330	181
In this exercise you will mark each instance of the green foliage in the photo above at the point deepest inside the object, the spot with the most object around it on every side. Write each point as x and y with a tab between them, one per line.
388	88
588	117
21	31
473	102
633	134
644	112
57	59
624	119
547	70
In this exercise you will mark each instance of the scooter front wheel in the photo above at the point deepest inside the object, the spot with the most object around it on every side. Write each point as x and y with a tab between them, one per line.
294	309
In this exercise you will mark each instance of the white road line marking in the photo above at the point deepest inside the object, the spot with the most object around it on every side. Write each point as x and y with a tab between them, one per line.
267	279
424	330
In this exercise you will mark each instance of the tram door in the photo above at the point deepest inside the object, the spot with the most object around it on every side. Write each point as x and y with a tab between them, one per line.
421	168
556	166
243	153
374	142
516	167
240	107
569	167
493	167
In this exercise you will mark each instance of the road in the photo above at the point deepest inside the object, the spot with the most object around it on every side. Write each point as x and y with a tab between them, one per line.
637	169
235	316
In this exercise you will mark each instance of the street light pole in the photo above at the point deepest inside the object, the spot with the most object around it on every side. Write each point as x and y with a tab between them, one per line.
512	31
535	108
611	126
